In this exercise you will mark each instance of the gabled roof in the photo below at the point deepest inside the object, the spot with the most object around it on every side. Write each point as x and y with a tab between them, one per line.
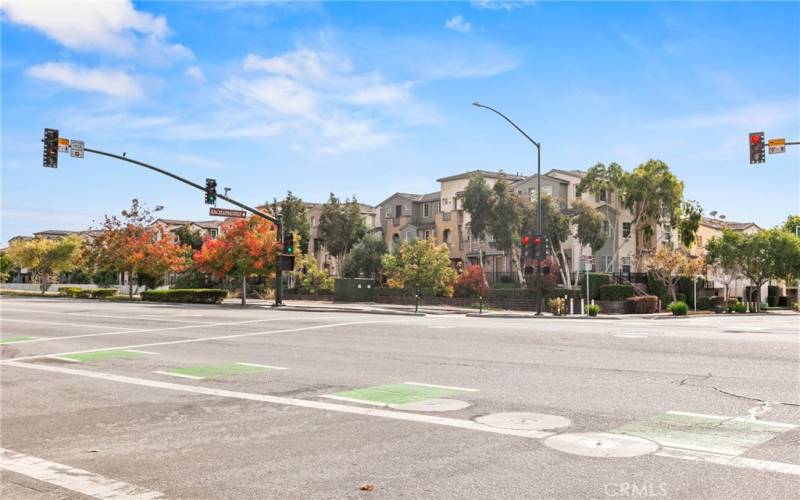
415	198
526	179
484	173
55	232
727	224
572	173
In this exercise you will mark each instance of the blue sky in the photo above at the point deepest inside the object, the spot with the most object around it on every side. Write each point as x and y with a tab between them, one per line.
374	98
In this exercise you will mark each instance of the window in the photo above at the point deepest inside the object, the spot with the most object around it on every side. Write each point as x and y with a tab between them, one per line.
427	234
398	210
446	236
606	229
313	221
408	236
699	241
601	196
626	229
667	233
407	208
548	190
388	211
532	193
626	264
213	233
426	211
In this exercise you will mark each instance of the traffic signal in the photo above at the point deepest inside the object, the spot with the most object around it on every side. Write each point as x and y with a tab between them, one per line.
50	158
288	243
538	247
211	191
525	242
757	147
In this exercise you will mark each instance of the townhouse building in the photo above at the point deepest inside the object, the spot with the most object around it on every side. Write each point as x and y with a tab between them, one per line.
316	243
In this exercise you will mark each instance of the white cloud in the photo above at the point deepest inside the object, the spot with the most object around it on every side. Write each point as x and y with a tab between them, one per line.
109	26
282	95
457	23
387	94
195	73
110	82
501	4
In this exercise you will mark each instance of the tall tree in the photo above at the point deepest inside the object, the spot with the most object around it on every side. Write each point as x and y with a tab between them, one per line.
421	265
341	226
723	255
8	270
505	223
47	258
670	264
295	217
478	203
555	228
792	224
366	257
189	237
247	247
588	226
689	222
605	182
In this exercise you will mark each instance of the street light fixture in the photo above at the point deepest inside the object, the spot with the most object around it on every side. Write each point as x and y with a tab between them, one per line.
538	200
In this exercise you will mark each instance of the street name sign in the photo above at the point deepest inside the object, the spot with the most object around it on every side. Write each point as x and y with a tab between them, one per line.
76	149
777	146
63	145
227	212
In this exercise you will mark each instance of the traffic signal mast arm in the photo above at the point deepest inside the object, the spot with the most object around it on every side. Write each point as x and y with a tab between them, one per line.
252	210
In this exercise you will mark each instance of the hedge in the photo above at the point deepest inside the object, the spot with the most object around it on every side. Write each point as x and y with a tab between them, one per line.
99	293
658	288
572	293
704	303
86	293
596	280
615	292
188	295
642	304
70	291
679	308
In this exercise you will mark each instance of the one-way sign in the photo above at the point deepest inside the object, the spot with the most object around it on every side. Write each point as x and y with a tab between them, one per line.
227	212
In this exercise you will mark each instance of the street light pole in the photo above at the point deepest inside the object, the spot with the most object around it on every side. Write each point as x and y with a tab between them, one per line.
538	201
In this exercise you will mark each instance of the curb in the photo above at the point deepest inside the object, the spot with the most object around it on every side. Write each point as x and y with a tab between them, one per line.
347	310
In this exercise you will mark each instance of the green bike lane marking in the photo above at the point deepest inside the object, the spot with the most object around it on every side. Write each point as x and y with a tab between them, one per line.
398	394
707	433
103	355
12	340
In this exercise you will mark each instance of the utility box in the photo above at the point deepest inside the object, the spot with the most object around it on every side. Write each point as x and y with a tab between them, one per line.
353	290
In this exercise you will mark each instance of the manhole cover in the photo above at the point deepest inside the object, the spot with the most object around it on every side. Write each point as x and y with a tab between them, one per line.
524	421
432	405
600	444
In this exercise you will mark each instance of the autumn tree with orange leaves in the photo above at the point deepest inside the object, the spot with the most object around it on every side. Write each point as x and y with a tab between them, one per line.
247	247
129	245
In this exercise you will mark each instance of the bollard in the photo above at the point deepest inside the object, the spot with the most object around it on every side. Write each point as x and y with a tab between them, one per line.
571	309
582	311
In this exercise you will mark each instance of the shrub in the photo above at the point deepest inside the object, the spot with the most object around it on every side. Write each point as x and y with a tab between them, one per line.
703	303
85	294
739	307
557	306
596	280
679	308
716	304
69	291
642	304
592	309
469	283
615	292
658	288
571	293
99	293
193	296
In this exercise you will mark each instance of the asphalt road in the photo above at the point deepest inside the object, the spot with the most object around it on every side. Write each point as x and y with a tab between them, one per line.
119	400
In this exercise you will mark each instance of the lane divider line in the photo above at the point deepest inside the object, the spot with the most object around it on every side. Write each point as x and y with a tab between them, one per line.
262	366
354	400
180	375
92	315
732	461
443	387
742	419
60	323
141	352
77	480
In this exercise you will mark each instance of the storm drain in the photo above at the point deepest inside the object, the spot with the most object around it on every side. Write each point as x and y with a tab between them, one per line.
601	445
524	421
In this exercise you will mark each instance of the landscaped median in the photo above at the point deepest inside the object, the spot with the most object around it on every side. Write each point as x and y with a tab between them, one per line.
191	296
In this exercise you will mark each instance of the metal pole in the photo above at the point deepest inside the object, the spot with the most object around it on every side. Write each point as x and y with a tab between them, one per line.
695	294
279	265
277	221
539	298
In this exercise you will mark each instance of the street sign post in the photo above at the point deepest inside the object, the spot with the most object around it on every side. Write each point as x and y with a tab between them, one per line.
227	212
777	146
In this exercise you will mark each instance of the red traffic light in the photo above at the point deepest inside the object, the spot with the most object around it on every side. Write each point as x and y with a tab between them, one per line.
755	138
537	241
525	240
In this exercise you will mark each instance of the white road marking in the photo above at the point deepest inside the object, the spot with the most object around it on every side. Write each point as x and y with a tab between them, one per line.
741	419
92	315
755	412
263	366
441	327
201	339
353	400
631	336
150	330
78	480
65	359
733	461
300	403
141	352
77	325
181	375
443	386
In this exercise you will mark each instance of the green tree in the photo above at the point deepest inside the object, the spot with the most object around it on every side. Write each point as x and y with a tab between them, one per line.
420	265
366	258
311	279
588	226
47	258
792	224
689	222
723	255
555	228
765	255
604	182
341	226
478	203
7	268
295	217
189	237
651	192
505	223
